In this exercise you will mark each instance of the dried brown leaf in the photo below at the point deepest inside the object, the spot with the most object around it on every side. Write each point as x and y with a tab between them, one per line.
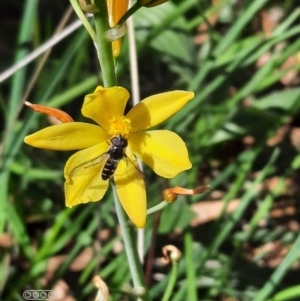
270	19
6	240
52	265
62	292
209	210
263	59
271	183
295	138
82	260
291	76
279	135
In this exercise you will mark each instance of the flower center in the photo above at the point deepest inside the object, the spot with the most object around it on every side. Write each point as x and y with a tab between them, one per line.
120	125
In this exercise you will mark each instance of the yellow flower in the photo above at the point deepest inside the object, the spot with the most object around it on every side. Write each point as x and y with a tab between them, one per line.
162	150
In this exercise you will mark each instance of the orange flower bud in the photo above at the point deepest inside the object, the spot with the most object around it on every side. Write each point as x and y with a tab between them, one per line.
58	114
116	10
170	194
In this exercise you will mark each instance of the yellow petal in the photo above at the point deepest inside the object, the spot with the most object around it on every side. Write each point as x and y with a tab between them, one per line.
83	176
131	191
157	108
104	104
67	136
164	151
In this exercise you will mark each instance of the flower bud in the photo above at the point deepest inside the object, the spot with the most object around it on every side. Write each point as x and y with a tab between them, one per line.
171	253
170	194
116	10
58	114
88	7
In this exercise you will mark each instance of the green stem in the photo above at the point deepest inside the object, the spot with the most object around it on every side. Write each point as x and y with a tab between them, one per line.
172	282
190	267
158	207
83	19
104	48
135	266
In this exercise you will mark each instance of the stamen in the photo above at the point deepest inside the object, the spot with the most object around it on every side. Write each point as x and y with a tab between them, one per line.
120	125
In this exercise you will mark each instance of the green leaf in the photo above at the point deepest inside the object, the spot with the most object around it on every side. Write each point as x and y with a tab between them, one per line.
176	216
288	294
173	40
287	100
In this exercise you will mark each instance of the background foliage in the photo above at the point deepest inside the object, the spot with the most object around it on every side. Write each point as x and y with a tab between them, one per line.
240	240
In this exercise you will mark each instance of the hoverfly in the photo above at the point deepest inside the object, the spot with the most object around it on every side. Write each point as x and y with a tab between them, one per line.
115	153
109	162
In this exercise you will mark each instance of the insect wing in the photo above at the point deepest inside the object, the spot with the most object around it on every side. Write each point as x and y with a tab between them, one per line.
85	167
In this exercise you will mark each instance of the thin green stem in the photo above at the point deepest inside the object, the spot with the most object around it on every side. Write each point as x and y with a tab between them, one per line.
104	48
135	267
190	267
276	278
136	97
83	19
157	207
172	282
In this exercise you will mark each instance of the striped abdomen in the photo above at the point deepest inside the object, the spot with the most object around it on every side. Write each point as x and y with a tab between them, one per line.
115	153
109	168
